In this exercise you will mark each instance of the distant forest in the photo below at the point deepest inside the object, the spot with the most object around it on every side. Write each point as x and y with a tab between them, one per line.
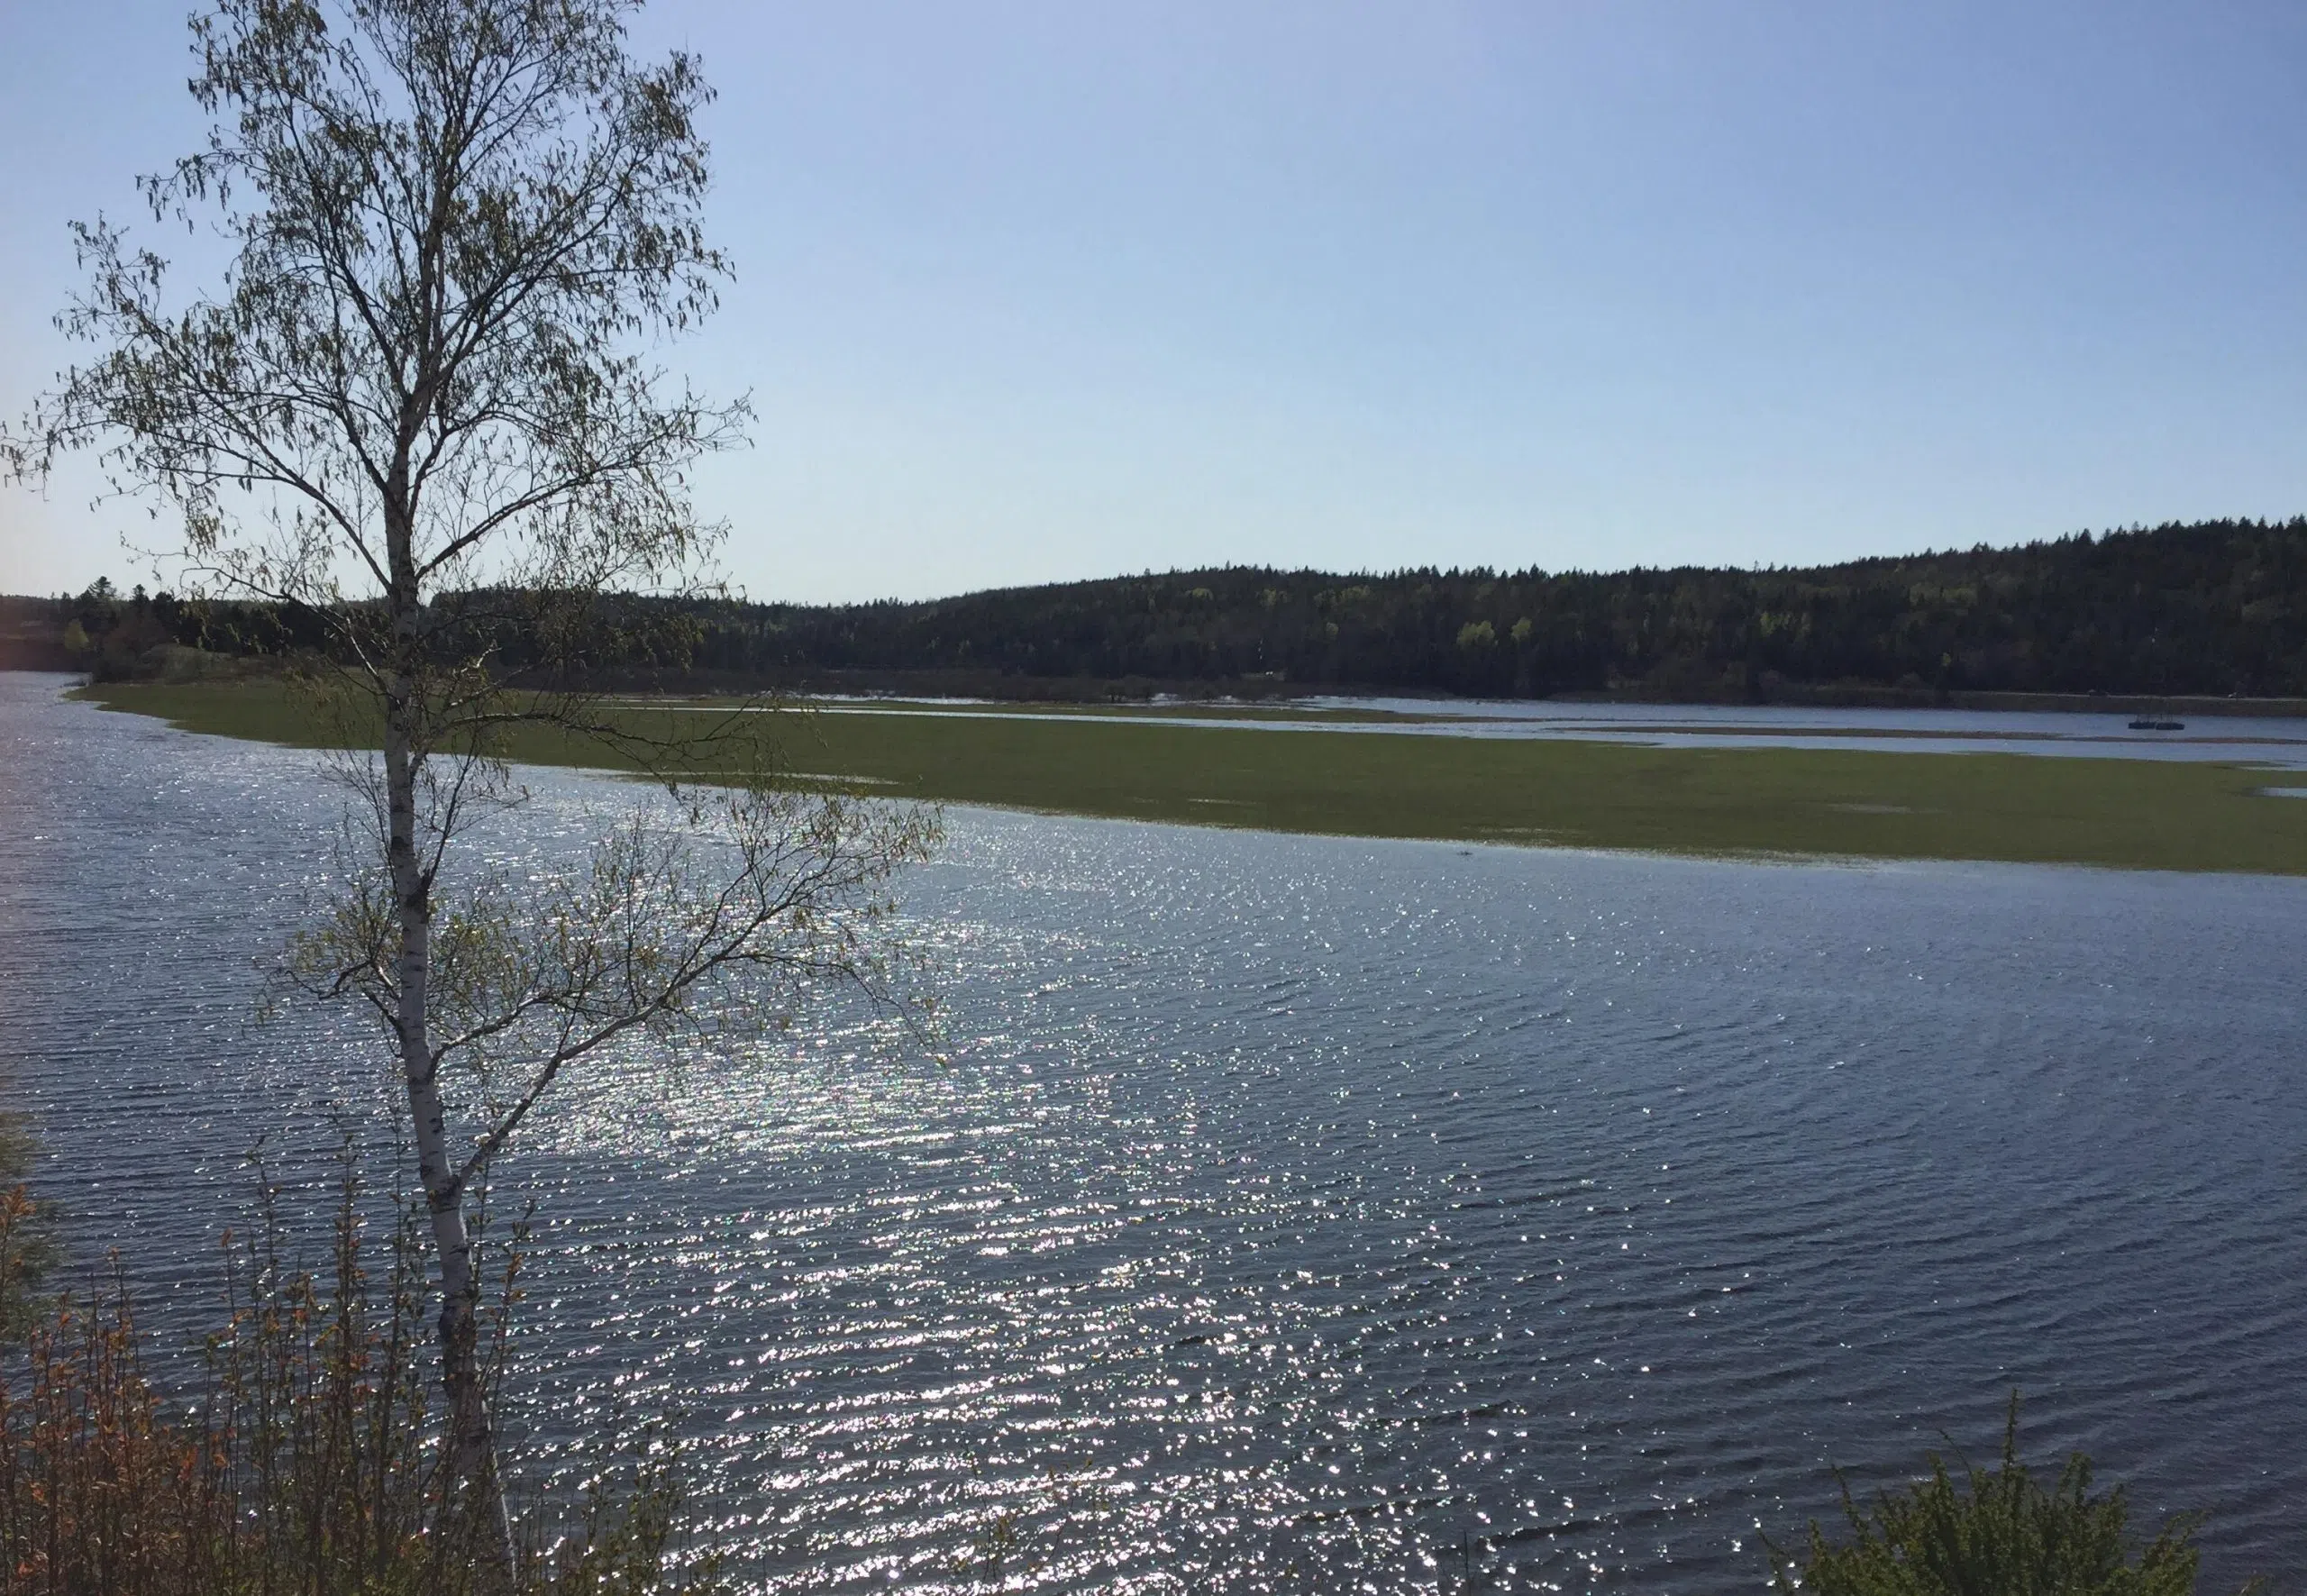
2215	608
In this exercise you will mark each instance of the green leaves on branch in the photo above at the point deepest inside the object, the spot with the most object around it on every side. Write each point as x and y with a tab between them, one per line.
458	231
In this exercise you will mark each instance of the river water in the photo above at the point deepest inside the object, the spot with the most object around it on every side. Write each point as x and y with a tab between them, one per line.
1289	1210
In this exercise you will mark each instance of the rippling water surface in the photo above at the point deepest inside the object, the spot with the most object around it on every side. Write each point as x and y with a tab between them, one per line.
1291	1207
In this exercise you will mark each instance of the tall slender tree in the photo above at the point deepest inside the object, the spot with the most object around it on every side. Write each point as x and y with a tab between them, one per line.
422	405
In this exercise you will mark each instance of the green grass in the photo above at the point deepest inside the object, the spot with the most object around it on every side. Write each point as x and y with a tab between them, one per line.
2134	814
1179	709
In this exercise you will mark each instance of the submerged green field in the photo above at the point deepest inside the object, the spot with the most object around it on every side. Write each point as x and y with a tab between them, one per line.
2132	814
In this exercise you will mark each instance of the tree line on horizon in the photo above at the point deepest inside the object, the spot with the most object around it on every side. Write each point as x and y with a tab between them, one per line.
2208	608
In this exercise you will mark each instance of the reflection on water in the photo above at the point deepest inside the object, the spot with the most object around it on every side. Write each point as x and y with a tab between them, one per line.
1290	1205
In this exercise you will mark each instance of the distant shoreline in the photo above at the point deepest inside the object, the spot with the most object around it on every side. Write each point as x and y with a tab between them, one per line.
2168	620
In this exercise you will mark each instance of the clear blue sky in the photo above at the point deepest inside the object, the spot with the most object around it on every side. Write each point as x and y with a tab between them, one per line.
1037	291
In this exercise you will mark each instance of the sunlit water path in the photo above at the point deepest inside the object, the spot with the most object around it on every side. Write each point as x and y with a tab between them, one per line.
1293	1204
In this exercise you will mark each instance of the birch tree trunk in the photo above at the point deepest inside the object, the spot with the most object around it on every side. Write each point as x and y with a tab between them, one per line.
471	1438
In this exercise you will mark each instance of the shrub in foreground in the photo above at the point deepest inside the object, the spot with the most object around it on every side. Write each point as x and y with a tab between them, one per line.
309	1462
1996	1533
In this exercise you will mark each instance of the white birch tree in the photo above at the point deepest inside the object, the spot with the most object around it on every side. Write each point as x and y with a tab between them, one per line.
422	404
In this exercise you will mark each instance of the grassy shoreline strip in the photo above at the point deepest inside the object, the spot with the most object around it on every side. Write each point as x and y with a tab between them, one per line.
2123	814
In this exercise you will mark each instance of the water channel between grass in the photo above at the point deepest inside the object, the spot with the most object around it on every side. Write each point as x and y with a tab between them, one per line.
1345	779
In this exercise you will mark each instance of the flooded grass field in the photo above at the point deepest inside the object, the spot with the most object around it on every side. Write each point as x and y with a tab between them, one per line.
1607	785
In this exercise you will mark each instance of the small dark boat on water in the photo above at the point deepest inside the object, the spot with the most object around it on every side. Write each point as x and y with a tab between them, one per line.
2148	724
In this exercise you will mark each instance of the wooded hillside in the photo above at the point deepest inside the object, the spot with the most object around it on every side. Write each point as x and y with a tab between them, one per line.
2214	607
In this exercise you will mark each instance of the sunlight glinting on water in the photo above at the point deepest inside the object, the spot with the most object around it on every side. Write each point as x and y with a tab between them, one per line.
1286	1213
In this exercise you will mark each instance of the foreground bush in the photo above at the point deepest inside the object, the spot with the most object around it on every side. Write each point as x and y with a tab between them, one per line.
27	1249
1999	1533
308	1464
